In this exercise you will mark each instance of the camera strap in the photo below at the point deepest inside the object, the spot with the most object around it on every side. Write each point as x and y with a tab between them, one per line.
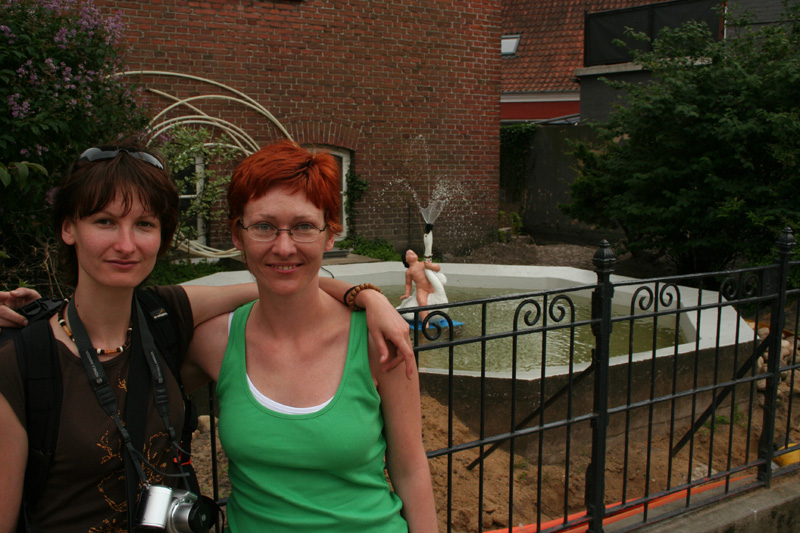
136	404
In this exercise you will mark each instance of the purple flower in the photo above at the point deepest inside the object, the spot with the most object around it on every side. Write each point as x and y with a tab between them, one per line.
61	38
18	110
50	198
8	33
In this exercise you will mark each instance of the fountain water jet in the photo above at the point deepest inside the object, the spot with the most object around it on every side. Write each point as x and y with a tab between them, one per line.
419	187
440	191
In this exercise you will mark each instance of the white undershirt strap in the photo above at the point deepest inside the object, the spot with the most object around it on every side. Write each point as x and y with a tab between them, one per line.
281	408
272	404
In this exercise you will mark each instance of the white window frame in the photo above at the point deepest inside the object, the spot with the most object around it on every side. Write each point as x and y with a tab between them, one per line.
509	44
344	157
199	172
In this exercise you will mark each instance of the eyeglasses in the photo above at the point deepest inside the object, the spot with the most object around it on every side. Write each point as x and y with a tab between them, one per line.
102	153
303	232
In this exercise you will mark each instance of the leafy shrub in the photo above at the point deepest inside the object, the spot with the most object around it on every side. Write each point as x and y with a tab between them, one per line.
515	149
506	220
174	272
182	147
356	187
376	248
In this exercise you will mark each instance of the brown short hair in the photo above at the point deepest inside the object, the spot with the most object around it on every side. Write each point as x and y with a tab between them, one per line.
89	186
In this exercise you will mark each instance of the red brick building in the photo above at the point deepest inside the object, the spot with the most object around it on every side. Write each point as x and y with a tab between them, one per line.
364	78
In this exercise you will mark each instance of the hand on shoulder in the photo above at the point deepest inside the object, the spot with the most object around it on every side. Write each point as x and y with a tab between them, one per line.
12	300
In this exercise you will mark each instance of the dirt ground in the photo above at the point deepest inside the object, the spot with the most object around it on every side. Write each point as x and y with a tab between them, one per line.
523	251
541	495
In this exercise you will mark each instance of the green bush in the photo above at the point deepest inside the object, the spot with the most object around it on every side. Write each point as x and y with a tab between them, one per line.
510	220
356	187
376	248
181	146
168	272
59	61
515	149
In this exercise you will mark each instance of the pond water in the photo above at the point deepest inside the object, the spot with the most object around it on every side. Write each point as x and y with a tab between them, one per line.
552	346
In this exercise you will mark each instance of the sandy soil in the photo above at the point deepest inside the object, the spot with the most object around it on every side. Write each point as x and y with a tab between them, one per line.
541	495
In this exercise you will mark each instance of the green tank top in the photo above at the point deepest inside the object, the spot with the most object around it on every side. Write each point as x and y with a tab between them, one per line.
322	471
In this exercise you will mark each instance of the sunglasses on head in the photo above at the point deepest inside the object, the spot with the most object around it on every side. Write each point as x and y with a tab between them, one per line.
103	153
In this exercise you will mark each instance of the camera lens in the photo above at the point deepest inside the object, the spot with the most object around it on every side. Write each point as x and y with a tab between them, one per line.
189	514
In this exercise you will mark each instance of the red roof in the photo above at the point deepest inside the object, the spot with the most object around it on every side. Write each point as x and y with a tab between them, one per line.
551	43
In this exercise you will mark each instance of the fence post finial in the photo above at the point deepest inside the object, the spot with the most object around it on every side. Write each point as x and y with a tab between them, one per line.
604	259
786	240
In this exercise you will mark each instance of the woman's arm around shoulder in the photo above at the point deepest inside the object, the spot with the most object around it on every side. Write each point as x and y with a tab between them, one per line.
208	302
14	451
405	452
206	351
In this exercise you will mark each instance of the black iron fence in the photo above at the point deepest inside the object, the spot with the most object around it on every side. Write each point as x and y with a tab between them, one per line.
611	405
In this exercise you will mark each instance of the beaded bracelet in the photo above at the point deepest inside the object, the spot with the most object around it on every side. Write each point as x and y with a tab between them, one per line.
349	298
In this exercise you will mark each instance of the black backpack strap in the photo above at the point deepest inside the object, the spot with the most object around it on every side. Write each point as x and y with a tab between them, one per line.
37	358
135	420
165	334
163	329
41	309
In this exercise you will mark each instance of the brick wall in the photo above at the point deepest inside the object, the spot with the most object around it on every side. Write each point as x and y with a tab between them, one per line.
368	77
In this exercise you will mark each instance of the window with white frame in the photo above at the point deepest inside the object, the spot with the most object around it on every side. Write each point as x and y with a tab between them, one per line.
343	158
190	184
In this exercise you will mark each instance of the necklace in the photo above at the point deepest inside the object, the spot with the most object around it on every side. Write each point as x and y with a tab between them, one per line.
62	321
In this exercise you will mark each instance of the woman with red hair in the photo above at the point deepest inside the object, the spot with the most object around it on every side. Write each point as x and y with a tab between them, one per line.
298	364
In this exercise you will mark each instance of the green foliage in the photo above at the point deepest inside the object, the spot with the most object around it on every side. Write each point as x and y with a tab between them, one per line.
168	272
356	187
182	148
19	170
703	163
722	420
511	220
376	248
58	66
515	148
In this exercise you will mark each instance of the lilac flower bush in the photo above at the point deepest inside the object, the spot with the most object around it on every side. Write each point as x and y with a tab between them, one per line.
60	94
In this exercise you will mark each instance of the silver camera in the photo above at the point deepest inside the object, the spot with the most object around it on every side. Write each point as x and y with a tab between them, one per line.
173	510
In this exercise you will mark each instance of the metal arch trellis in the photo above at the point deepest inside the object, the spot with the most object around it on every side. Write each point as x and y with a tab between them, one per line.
241	140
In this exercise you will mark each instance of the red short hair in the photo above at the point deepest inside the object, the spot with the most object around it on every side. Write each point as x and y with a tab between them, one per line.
316	173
